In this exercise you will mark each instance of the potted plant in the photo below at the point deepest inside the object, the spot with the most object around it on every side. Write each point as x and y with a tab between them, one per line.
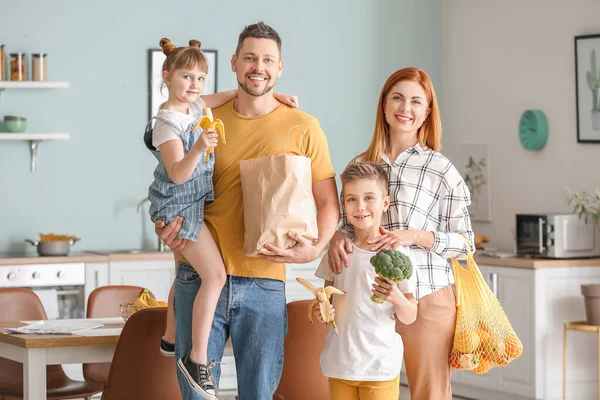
585	205
588	206
593	81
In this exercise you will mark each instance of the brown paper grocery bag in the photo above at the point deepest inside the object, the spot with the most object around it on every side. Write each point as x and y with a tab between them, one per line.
278	198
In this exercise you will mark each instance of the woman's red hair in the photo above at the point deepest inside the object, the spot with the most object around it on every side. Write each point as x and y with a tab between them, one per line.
429	134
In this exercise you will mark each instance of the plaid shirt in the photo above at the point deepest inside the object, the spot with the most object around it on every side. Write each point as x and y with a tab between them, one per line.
427	193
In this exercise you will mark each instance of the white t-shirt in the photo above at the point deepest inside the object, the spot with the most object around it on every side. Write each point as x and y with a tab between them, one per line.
163	132
368	347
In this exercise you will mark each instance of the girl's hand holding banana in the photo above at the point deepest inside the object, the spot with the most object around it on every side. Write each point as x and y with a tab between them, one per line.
208	123
206	140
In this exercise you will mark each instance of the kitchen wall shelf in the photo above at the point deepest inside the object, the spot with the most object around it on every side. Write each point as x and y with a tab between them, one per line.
34	140
33	85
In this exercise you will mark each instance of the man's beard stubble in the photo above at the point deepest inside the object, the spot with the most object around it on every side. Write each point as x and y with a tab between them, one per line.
251	93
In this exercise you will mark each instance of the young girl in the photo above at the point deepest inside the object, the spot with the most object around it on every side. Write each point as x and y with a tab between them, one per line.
363	362
182	185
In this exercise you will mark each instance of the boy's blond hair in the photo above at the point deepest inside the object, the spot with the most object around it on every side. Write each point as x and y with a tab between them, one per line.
365	170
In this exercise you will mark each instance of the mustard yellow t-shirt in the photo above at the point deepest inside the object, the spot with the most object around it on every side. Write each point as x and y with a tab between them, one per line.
225	216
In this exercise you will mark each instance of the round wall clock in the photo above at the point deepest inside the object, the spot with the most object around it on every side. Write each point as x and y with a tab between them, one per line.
533	130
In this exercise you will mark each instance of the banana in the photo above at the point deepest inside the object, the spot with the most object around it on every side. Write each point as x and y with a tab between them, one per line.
145	299
140	303
323	295
152	302
207	122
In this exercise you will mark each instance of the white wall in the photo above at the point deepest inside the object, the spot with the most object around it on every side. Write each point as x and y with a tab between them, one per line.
499	59
337	55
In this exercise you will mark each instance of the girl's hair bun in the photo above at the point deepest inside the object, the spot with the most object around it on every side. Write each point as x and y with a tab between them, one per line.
195	43
167	46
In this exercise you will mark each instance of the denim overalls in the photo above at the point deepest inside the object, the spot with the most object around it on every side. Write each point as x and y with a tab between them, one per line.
169	199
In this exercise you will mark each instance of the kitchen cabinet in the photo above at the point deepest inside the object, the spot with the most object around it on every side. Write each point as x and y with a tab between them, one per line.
538	302
514	289
156	275
96	275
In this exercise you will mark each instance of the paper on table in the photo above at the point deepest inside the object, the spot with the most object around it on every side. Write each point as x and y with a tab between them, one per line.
49	298
105	321
100	332
55	327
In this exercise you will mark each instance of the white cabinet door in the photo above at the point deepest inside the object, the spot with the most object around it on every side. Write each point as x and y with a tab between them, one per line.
156	275
514	288
96	275
516	293
559	300
490	379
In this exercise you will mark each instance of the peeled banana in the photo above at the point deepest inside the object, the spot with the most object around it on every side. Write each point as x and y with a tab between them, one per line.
323	295
207	122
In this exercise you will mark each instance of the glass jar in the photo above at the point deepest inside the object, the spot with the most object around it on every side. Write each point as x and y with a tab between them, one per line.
2	63
39	67
18	67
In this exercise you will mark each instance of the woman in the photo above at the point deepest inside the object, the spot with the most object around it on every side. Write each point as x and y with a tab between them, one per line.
428	211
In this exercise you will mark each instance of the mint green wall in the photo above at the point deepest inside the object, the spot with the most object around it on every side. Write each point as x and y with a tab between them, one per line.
337	55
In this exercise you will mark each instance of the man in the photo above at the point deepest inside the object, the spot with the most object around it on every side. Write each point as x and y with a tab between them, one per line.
252	304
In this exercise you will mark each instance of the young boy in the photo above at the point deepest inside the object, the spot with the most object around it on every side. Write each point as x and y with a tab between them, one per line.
364	361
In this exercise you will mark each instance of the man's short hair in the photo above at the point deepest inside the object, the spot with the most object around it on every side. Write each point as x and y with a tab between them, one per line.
365	170
259	30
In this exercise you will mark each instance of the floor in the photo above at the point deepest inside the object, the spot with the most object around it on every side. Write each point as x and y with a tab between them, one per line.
404	395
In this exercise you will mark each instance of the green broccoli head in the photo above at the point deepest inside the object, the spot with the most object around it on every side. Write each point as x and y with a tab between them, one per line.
392	264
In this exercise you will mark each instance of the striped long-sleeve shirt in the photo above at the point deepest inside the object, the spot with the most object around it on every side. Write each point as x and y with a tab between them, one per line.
427	193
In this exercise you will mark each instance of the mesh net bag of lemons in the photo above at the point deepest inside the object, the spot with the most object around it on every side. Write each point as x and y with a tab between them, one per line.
483	337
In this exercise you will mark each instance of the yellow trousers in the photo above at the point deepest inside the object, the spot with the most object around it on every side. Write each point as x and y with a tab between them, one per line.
341	389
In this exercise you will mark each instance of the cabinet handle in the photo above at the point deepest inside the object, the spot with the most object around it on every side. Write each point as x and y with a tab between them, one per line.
95	278
494	277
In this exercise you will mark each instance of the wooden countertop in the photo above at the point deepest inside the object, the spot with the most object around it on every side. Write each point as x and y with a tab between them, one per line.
143	256
536	263
100	256
93	256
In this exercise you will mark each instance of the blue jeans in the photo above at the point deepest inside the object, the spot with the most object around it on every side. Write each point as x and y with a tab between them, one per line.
251	310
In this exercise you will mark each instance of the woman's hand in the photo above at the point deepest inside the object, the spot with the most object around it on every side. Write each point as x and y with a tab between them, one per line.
387	290
169	233
287	99
316	312
392	239
339	247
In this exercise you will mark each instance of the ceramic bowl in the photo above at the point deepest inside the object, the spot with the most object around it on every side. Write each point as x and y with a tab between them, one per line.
15	124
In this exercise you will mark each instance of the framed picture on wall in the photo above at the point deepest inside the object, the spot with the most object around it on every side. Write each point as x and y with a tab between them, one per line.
587	88
156	96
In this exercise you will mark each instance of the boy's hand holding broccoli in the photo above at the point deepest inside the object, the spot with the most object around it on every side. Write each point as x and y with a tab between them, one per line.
391	266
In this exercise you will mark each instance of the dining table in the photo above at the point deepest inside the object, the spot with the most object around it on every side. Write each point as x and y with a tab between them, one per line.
36	351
